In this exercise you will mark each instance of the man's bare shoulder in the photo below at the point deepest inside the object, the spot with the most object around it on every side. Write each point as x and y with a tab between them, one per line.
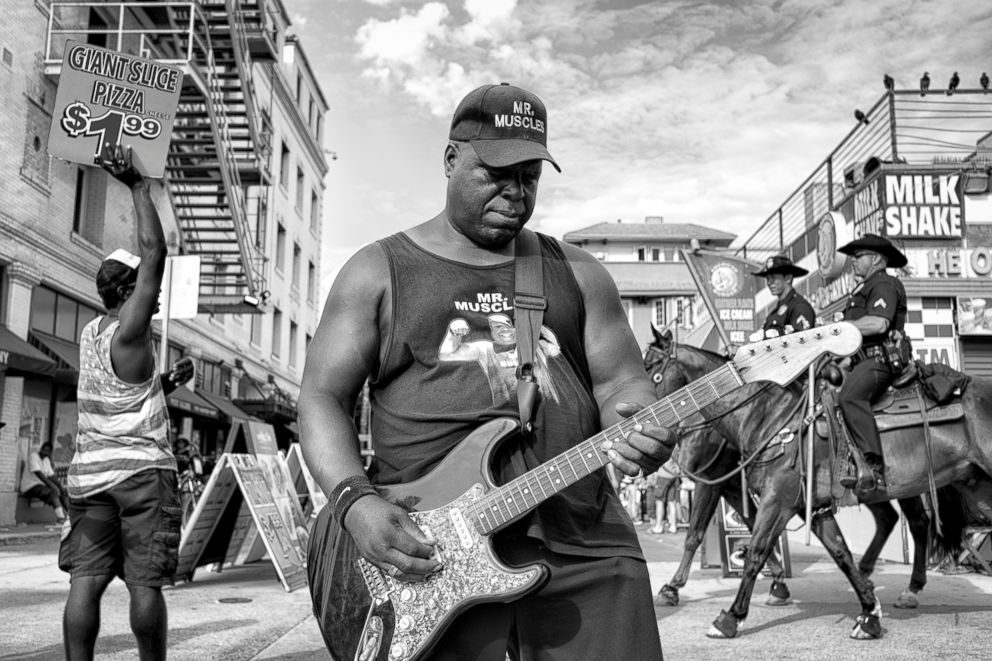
589	271
366	271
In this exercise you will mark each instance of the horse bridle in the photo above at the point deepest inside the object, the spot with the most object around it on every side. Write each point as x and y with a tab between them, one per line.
680	431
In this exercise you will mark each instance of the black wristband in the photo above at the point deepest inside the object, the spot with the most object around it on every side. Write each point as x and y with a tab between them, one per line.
347	493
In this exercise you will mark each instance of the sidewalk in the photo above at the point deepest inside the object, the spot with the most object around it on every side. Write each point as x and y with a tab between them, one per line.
25	533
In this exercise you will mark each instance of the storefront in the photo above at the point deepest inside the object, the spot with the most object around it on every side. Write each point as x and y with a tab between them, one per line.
942	221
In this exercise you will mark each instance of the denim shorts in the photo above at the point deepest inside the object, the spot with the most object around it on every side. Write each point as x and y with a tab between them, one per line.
130	530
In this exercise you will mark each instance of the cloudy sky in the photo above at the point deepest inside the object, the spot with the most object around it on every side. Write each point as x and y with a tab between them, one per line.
706	111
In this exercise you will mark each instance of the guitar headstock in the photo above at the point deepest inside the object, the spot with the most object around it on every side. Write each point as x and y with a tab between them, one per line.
782	359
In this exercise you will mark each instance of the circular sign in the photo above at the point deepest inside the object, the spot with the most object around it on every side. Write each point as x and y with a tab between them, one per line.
831	234
725	280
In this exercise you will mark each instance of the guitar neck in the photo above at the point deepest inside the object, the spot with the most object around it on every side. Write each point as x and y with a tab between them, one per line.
511	501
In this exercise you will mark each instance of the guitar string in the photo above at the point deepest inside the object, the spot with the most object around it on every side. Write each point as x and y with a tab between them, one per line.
701	393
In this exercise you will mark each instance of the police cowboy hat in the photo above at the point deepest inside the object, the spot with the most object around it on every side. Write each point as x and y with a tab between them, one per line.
875	243
781	264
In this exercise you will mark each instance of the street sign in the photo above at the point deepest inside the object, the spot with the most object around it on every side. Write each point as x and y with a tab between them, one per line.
735	538
105	96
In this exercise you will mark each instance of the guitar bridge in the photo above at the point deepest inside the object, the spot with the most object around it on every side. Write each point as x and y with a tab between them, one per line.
375	582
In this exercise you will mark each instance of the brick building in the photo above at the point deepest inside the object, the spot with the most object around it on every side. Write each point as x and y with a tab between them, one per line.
243	190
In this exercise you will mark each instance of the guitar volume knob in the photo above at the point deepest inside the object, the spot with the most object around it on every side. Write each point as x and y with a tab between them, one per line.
405	623
406	594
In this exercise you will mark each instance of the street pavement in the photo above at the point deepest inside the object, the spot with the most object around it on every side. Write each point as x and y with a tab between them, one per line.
243	613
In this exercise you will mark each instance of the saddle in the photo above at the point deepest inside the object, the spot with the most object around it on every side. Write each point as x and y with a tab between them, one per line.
905	404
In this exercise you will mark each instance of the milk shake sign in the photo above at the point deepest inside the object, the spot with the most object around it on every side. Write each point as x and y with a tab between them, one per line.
923	206
109	97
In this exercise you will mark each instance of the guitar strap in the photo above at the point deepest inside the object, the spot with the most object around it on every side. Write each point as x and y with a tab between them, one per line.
529	305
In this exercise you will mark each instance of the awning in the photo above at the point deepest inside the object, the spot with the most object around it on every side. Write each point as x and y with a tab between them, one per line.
224	405
19	358
181	398
269	410
66	353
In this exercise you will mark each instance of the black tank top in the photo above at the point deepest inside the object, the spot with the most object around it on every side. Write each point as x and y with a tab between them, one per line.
448	365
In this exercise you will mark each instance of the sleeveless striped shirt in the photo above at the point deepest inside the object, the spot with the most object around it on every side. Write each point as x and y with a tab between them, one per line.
123	427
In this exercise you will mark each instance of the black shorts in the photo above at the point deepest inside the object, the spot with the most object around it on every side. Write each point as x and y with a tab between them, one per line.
130	530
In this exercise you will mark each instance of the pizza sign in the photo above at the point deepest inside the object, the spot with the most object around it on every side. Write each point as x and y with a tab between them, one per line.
108	97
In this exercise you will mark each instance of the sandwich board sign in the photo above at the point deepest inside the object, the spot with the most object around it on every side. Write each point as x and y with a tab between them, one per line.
238	483
108	97
299	471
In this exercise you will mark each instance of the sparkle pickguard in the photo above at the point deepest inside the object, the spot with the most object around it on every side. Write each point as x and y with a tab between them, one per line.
470	572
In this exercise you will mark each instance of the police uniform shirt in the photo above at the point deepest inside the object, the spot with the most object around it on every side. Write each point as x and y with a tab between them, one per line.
879	295
793	310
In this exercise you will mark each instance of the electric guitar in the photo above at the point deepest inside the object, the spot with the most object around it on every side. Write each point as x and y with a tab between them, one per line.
366	615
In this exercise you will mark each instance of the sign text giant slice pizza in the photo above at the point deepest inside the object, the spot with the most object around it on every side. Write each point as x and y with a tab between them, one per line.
109	97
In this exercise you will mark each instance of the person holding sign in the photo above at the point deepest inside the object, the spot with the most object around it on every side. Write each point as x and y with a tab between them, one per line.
389	316
123	502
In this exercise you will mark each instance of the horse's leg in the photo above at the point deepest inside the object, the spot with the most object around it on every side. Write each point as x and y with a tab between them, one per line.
704	505
778	593
869	624
774	512
886	519
919	524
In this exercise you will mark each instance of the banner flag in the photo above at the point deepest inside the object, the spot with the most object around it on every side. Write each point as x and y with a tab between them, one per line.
727	286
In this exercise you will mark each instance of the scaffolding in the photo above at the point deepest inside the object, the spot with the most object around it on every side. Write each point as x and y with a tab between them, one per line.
905	127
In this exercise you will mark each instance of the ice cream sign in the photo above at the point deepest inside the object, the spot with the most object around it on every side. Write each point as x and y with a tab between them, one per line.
923	206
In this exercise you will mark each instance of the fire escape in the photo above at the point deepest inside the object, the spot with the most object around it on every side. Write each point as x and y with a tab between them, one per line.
220	152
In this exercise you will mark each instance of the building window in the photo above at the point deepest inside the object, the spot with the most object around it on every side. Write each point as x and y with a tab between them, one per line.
300	185
299	89
276	332
307	339
311	282
56	314
655	255
314	210
293	335
284	166
641	252
671	309
256	330
90	204
296	266
280	247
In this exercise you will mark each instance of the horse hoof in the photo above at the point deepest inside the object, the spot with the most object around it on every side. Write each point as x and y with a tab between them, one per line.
868	626
667	596
724	626
779	594
907	600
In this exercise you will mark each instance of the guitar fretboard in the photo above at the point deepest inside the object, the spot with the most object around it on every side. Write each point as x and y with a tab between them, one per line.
522	494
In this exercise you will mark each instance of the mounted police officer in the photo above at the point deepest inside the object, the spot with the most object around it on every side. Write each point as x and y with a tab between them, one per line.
877	307
792	309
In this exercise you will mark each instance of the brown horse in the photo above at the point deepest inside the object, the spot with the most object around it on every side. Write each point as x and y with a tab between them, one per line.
750	417
712	462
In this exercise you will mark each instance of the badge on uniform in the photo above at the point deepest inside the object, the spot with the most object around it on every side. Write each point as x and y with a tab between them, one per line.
880	303
781	310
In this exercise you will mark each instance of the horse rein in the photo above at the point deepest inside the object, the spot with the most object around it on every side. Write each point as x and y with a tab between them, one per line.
681	431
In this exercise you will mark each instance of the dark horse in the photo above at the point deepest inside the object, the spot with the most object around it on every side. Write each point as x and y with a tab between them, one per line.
712	462
750	416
